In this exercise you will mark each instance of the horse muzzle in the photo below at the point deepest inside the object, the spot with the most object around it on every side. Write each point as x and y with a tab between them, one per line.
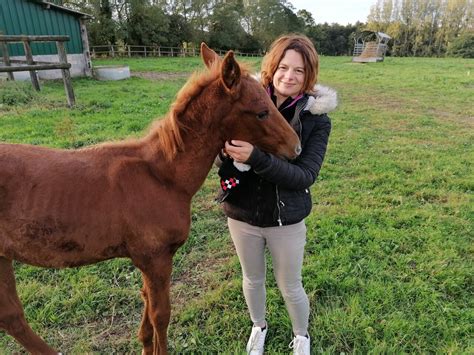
298	149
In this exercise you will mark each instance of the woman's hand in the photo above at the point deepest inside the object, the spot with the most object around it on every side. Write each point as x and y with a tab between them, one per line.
239	150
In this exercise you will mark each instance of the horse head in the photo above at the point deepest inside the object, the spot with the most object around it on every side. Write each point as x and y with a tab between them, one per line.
250	115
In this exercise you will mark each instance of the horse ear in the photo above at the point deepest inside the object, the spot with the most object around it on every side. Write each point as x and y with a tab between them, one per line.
208	55
230	71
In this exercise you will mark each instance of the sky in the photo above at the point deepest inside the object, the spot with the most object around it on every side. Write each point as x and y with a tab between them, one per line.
339	11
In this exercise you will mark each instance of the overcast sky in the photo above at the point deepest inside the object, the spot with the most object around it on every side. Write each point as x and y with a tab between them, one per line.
339	11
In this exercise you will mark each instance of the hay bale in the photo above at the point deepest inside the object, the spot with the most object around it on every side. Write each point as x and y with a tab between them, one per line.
370	50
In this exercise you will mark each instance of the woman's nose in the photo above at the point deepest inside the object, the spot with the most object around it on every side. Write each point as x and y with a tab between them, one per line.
289	74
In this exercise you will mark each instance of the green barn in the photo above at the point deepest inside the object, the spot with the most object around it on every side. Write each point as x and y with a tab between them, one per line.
40	17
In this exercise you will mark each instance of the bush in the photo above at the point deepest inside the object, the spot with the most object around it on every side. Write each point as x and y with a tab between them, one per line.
16	93
462	46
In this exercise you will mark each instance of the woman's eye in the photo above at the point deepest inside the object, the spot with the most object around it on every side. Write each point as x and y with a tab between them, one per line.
262	115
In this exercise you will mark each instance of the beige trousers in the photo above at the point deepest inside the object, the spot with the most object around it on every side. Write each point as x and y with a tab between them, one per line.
286	246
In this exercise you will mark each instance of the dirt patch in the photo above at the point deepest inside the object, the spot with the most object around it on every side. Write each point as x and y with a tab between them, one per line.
151	75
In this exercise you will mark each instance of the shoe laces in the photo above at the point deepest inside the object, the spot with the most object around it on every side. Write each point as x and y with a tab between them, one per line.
298	345
257	341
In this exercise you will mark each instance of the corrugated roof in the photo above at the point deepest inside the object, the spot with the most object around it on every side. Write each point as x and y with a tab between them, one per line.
48	5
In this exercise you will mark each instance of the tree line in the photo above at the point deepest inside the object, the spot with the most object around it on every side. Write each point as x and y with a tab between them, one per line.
426	27
418	27
248	26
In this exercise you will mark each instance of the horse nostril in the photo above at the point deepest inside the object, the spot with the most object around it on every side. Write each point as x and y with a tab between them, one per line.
298	149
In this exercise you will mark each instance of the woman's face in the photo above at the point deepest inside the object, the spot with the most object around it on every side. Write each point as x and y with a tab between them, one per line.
289	78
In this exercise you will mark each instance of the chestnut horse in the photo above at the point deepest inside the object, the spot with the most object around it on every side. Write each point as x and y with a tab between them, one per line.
66	208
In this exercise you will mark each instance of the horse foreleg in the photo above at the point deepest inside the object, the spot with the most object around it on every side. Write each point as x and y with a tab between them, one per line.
12	317
156	278
146	328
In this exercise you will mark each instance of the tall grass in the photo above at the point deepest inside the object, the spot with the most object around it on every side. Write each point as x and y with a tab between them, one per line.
388	265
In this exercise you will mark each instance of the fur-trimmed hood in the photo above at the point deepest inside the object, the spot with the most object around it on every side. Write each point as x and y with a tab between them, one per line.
323	101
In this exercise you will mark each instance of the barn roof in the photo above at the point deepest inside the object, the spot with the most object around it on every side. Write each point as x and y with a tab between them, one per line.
49	5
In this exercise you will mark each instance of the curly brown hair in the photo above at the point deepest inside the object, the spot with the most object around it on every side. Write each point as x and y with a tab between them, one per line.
300	44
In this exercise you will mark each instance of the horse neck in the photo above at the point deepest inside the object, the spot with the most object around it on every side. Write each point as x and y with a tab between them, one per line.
202	142
195	161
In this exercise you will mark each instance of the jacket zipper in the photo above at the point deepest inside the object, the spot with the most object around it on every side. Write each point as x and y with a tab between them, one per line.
300	129
278	206
299	109
300	125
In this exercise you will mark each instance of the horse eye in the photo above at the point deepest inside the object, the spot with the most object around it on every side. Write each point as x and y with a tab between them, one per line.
262	115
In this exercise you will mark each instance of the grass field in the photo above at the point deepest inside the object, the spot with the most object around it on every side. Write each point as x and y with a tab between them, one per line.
389	257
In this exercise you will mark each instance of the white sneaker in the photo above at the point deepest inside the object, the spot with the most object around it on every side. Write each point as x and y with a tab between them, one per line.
300	345
256	341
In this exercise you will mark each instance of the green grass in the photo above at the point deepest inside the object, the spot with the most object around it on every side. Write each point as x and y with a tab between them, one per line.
388	265
162	64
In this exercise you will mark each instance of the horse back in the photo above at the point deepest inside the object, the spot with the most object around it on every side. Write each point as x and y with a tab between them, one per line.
37	179
63	208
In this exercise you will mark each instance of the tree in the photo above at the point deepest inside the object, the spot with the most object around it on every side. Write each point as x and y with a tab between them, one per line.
245	25
307	18
225	29
102	29
333	39
196	13
421	27
146	24
267	19
179	31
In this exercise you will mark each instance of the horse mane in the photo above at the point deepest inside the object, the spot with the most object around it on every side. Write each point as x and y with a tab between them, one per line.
167	132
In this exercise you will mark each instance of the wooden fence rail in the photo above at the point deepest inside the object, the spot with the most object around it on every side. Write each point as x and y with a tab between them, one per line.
32	66
152	51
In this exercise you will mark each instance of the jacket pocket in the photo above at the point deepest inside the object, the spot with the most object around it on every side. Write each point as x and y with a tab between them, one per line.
295	205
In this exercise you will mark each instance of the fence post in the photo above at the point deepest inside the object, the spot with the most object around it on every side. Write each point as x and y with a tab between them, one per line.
30	61
71	100
86	52
6	59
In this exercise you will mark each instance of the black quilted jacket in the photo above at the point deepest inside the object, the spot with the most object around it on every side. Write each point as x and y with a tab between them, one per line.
276	192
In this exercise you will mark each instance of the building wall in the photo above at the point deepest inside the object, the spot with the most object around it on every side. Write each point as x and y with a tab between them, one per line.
78	68
25	17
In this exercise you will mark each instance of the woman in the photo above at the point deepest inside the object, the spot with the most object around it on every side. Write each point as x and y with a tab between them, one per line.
266	198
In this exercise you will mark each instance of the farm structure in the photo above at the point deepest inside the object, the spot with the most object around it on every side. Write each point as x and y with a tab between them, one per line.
32	66
44	18
370	46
